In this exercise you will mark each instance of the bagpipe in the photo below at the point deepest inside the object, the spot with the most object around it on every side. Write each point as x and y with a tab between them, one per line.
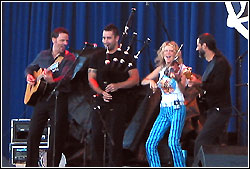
128	59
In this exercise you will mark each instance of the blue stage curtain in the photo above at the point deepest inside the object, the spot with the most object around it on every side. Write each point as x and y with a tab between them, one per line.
26	28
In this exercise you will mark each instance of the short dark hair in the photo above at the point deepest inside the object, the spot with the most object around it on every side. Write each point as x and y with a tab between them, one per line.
209	40
57	31
113	28
211	44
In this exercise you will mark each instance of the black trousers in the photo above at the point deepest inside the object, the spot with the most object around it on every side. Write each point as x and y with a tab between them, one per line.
113	115
214	126
43	111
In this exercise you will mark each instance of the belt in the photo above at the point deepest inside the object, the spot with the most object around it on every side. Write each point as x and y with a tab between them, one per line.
170	104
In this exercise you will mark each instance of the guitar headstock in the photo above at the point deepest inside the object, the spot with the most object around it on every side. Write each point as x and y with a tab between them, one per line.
187	72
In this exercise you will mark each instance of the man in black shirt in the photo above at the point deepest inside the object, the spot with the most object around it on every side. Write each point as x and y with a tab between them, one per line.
45	109
110	74
216	91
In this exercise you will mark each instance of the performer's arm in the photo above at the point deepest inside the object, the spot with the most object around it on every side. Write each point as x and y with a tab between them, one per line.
92	81
194	81
95	86
150	79
30	79
130	82
182	83
47	75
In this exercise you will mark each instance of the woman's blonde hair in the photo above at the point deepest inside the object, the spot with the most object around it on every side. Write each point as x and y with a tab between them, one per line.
160	61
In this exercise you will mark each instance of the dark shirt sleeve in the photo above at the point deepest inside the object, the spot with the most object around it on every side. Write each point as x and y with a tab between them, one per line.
93	62
34	66
43	60
31	68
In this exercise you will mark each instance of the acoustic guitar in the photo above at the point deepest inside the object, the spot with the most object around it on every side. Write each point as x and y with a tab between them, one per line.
201	96
34	92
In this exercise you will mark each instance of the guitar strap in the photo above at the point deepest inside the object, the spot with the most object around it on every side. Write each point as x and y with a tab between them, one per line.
201	100
58	59
208	70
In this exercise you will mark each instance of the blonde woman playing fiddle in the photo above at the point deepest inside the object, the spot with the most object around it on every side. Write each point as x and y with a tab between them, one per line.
172	81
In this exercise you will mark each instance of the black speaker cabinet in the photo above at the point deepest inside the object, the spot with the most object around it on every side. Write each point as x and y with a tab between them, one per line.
221	156
20	129
19	155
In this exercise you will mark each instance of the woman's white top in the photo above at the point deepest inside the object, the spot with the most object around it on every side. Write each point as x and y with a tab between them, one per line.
170	92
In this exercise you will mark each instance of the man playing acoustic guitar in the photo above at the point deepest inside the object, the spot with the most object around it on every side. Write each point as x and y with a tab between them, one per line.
48	69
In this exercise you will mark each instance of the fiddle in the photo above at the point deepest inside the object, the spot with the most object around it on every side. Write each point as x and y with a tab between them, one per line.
173	72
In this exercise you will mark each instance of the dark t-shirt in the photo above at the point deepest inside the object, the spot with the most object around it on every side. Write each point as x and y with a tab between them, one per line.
114	71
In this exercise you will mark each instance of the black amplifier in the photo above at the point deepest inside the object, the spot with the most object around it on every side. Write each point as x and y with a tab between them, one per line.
20	129
19	155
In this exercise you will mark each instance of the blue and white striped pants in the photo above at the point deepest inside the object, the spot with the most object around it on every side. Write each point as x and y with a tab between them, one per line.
175	119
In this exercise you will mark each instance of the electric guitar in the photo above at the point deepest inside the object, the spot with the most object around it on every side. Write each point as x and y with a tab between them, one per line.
34	92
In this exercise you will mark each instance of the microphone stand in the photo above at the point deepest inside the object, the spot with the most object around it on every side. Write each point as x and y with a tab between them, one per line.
105	132
238	94
56	92
161	20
